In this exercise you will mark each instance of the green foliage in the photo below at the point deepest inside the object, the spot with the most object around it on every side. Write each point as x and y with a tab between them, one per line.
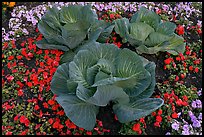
71	27
148	34
100	73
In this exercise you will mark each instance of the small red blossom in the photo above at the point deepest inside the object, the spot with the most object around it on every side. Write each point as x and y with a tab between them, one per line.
196	69
159	112
88	132
112	16
51	102
153	114
45	105
10	57
36	107
180	30
168	61
185	98
20	92
50	121
158	118
176	78
179	102
29	84
16	118
182	76
136	127
174	115
157	124
190	68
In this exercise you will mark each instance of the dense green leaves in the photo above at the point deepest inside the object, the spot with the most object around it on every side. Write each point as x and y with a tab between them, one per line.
100	74
148	34
71	27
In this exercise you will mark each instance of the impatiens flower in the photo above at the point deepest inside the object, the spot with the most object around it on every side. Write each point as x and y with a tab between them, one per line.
180	30
16	118
168	61
190	68
88	132
158	118
50	121
175	126
182	76
196	69
174	115
51	102
176	78
20	92
185	127
157	124
136	128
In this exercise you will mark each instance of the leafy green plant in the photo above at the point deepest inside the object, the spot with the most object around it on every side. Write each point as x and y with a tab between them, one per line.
70	27
99	74
148	34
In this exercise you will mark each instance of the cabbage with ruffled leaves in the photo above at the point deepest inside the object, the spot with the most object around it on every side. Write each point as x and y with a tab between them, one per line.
149	34
71	27
103	73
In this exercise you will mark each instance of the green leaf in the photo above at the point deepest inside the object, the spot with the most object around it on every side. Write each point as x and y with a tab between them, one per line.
67	57
146	16
73	37
156	39
70	14
150	67
79	112
106	33
166	28
51	17
122	28
140	31
137	109
61	82
103	95
78	67
43	44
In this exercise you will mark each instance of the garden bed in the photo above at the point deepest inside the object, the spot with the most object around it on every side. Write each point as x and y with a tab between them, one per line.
29	107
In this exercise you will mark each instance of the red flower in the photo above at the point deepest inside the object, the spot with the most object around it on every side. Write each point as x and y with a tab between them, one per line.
45	105
16	118
29	84
153	114
20	92
178	58
176	78
180	30
188	52
112	16
70	124
197	61
158	118
36	107
51	102
10	78
8	133
10	57
174	115
57	125
114	38
136	127
184	103
179	102
168	61
185	98
50	121
182	76
196	70
60	112
190	68
159	112
157	124
88	132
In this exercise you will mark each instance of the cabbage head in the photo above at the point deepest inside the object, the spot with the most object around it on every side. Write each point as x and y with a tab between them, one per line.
71	26
103	73
149	34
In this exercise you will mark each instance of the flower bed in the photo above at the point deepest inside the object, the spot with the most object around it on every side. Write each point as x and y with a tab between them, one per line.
30	108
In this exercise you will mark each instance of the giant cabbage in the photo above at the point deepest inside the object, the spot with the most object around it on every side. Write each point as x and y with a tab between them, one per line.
71	27
149	34
103	73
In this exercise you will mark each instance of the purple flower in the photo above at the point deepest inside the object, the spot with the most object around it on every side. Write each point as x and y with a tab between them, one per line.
168	133
200	116
199	103
193	118
185	128
185	132
196	123
193	104
175	126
